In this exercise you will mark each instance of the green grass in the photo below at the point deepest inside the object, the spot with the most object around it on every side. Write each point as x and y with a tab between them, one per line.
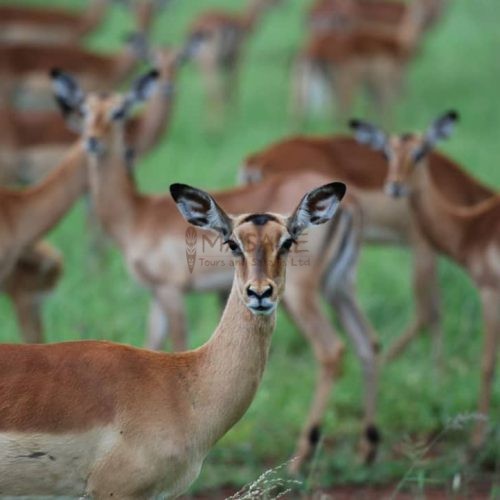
458	67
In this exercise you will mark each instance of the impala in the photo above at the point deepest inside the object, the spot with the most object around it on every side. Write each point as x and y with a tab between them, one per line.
26	65
386	220
326	15
33	142
50	25
219	37
460	219
154	243
106	420
348	60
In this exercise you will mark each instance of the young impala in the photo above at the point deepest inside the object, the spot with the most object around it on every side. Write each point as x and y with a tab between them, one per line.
110	421
458	216
154	243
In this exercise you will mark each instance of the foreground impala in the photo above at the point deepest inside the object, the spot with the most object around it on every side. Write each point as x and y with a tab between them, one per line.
154	243
107	420
458	216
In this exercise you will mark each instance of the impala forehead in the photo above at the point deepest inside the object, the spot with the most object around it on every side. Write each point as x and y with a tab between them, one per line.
402	148
100	106
266	230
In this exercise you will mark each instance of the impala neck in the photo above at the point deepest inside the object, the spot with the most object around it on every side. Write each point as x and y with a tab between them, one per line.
230	369
435	215
42	207
112	188
93	16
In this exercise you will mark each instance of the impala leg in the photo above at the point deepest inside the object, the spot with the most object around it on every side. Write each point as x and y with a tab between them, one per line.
345	84
490	299
167	318
27	307
328	350
366	344
427	302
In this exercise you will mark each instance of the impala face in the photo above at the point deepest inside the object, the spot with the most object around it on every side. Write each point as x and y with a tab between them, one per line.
260	243
99	113
405	152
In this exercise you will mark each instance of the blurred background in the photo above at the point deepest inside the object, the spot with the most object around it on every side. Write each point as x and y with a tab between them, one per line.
425	418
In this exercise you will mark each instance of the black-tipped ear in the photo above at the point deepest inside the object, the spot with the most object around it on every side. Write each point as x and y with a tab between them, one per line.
68	94
316	207
367	133
439	130
200	209
442	127
142	89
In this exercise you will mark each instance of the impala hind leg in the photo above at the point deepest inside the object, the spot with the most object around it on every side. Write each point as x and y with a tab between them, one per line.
167	318
366	344
427	303
490	299
27	307
305	310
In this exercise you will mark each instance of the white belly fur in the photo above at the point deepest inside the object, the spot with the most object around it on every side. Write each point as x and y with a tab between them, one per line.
49	464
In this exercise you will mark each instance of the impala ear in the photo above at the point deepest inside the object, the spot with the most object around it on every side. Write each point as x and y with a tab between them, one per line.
367	133
316	207
201	210
68	94
142	89
440	129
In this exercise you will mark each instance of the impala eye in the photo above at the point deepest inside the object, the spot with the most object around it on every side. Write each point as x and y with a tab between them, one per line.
234	248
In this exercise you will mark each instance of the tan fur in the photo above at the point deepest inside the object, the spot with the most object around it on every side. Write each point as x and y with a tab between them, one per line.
140	422
386	220
460	218
152	237
357	55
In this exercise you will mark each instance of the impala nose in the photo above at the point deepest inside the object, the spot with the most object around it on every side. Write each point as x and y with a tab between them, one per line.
260	299
94	145
396	189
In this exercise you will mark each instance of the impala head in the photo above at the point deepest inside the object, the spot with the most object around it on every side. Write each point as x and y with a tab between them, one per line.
99	114
260	243
404	152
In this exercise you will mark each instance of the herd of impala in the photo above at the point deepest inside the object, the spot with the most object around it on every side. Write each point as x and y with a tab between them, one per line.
102	420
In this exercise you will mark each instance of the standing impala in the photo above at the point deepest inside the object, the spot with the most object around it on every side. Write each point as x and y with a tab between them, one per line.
154	243
458	216
348	60
33	142
386	220
110	421
219	37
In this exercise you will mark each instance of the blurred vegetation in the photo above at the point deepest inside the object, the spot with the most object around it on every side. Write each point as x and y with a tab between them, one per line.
458	67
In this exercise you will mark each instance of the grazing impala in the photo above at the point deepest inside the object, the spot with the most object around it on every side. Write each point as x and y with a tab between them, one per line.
111	421
50	25
350	59
153	240
386	220
458	216
219	37
33	142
